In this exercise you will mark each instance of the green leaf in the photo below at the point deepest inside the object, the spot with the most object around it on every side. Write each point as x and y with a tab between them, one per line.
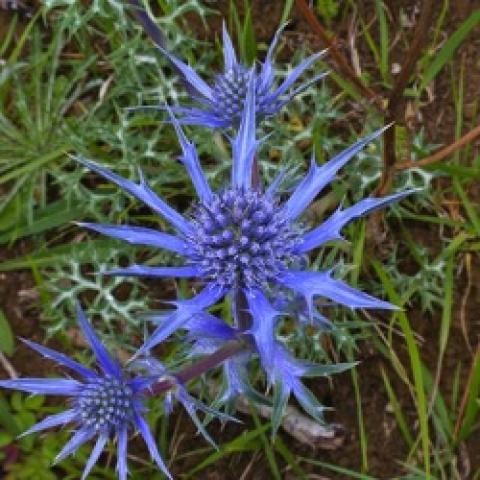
246	442
34	402
472	410
16	401
397	410
327	370
382	19
46	257
415	363
280	399
54	215
7	342
249	43
286	11
5	439
328	9
33	167
290	458
449	48
346	473
6	419
269	453
470	208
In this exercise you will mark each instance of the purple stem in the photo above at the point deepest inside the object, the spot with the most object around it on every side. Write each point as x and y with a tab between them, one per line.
230	349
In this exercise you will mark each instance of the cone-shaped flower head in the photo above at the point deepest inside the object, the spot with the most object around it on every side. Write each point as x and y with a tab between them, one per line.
222	103
244	238
105	404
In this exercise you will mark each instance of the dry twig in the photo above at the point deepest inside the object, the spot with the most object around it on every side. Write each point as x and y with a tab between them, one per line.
7	366
396	102
443	152
299	426
463	303
339	58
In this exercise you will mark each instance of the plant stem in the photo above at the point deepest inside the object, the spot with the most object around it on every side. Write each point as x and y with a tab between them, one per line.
229	350
340	60
396	101
443	152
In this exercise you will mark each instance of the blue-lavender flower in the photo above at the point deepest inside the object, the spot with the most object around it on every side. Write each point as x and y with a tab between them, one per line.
105	403
242	238
222	103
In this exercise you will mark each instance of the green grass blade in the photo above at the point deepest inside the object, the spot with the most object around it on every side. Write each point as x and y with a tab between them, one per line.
8	36
290	458
24	37
267	447
449	48
397	410
350	474
382	19
415	363
441	417
245	442
286	11
468	206
33	166
7	342
447	307
249	43
54	215
346	86
472	409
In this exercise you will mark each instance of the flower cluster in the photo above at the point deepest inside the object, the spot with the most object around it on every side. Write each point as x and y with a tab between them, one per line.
243	239
246	241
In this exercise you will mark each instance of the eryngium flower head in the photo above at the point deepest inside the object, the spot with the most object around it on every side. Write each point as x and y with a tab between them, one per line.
105	404
222	103
243	238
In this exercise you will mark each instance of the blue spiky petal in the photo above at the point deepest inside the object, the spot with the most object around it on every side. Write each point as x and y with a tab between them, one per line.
104	404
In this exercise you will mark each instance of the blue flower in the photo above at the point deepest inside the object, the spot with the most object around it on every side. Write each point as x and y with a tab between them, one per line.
245	239
222	103
104	404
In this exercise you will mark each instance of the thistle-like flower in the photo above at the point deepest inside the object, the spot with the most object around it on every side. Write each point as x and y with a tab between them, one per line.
223	102
244	239
105	404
